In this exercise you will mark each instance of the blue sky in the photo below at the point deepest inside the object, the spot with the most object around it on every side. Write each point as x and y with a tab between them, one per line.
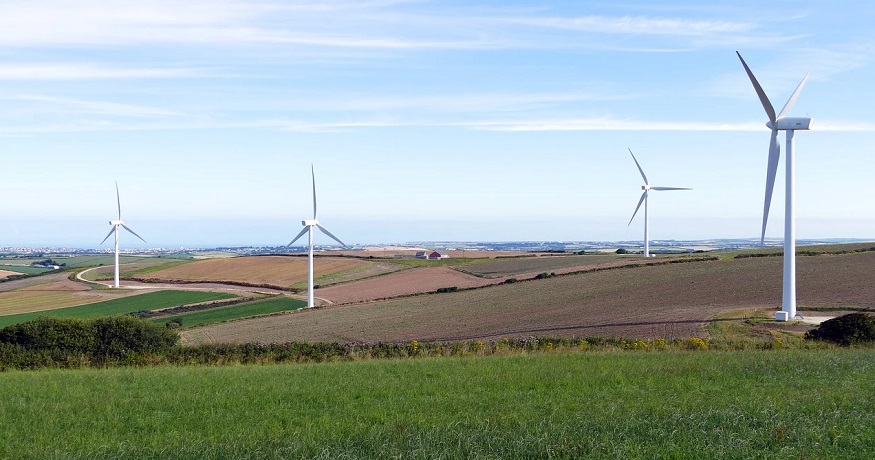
425	120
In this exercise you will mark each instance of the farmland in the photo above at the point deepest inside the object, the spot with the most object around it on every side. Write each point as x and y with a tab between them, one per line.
407	282
271	270
217	315
145	301
25	270
559	264
49	292
632	405
82	261
649	301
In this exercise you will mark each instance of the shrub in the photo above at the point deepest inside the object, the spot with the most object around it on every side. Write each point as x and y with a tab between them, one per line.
622	251
510	281
845	330
447	289
50	334
103	337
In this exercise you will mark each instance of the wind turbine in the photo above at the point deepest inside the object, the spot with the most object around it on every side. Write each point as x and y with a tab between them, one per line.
115	225
308	228
647	188
791	125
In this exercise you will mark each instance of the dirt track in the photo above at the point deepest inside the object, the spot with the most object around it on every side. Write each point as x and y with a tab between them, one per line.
652	301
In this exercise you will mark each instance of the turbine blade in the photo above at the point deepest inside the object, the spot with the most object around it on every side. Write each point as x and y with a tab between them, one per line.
639	167
669	188
643	196
313	174
299	235
770	111
108	234
772	171
790	102
119	200
133	232
325	231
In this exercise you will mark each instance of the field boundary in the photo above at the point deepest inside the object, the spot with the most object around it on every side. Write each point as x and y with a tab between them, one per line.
525	277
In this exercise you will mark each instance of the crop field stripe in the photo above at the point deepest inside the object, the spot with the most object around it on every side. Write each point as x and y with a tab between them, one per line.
247	310
148	301
26	270
569	405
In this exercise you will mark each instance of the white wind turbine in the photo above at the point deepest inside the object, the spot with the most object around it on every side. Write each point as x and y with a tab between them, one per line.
647	188
115	225
308	228
790	124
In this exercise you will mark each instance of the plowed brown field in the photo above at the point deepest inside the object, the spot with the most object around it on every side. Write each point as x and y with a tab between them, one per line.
648	301
411	281
272	270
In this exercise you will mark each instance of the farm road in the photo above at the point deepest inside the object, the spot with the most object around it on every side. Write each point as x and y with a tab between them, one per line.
208	287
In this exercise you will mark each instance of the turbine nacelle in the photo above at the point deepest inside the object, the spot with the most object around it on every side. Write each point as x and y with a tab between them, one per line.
115	223
310	223
791	124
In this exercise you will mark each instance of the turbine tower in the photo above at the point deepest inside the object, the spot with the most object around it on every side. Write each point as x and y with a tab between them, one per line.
647	188
309	226
115	225
791	125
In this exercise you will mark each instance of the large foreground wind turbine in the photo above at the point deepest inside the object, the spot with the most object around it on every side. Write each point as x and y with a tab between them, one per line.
115	225
308	228
647	188
791	125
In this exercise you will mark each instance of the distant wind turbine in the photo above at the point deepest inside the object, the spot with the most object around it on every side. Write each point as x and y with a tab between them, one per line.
308	228
115	225
790	124
647	188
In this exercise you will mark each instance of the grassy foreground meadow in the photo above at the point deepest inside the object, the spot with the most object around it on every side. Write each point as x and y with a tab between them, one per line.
758	404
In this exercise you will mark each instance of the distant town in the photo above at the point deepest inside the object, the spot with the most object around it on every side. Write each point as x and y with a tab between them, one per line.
658	246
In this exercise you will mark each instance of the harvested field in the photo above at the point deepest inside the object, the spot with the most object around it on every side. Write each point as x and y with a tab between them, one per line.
272	270
139	268
649	301
5	273
411	281
559	264
54	294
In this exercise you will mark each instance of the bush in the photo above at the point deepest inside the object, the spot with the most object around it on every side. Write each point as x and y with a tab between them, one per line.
845	330
510	281
114	337
622	251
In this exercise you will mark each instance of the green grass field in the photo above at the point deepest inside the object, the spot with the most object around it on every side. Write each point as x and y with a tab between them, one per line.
632	405
148	301
26	270
246	310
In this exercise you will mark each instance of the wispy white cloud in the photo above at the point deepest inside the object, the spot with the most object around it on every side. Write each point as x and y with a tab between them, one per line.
636	25
462	103
64	105
608	124
344	24
84	71
305	126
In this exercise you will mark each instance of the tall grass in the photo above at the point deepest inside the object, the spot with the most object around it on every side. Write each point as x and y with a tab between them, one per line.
763	404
